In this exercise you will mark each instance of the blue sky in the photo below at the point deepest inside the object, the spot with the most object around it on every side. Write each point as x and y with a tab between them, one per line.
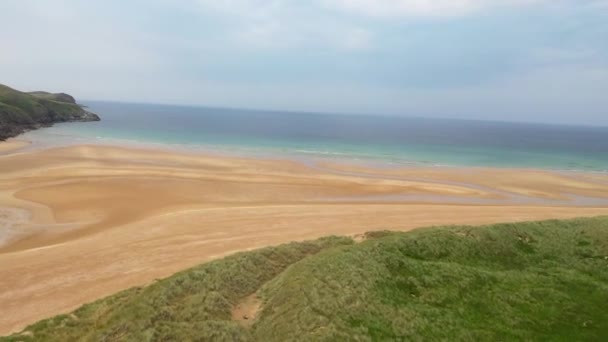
522	60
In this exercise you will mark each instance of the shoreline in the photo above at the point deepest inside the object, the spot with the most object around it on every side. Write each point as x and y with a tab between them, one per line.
326	164
435	176
39	142
104	218
356	168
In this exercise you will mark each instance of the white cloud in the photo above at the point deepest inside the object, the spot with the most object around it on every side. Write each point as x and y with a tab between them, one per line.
280	35
261	35
599	4
260	9
282	24
439	8
356	39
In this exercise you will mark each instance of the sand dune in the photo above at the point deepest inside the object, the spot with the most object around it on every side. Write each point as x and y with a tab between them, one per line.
101	219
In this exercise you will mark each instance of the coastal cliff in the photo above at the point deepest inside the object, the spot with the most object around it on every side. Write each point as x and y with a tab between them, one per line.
21	112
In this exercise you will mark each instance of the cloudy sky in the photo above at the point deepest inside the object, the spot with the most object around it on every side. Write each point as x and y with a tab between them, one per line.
532	60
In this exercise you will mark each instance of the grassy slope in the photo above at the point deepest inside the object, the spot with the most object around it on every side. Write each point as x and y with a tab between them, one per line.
544	280
528	281
60	97
22	111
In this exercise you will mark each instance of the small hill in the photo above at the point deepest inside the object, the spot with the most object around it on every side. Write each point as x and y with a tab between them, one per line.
526	281
20	112
59	97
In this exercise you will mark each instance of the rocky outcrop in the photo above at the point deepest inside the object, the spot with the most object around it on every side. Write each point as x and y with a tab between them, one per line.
21	112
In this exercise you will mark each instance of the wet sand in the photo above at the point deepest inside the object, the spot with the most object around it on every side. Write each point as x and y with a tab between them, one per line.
12	145
83	222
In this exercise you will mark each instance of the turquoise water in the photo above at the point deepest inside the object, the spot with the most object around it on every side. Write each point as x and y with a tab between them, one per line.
392	140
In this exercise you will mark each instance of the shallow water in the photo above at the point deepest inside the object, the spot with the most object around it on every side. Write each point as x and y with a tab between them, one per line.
390	140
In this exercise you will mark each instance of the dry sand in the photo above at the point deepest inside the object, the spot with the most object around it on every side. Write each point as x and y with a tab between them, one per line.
83	222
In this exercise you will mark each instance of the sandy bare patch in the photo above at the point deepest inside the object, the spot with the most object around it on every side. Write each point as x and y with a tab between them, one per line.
246	311
358	238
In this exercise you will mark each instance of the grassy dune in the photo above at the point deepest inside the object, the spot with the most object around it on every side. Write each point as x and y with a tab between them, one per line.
527	281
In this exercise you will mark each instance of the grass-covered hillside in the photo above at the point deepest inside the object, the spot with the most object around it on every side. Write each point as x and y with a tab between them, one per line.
21	111
527	281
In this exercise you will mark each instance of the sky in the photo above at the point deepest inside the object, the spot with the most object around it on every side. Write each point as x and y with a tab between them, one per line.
514	60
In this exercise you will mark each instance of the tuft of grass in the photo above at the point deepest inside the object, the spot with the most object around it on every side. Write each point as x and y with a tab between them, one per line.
526	281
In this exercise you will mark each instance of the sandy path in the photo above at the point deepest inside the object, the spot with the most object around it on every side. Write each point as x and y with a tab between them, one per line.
102	219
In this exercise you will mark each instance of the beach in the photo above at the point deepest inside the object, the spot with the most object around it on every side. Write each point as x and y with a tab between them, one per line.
12	145
82	222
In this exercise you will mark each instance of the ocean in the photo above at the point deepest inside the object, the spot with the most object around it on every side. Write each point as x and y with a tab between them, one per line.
372	138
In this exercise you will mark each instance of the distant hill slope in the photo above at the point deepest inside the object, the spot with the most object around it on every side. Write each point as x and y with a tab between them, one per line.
20	112
527	281
60	97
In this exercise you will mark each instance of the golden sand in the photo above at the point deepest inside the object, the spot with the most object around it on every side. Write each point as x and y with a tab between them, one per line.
12	145
102	219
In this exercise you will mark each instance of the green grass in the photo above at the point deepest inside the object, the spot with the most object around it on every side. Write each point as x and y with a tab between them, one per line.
527	281
60	97
21	111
